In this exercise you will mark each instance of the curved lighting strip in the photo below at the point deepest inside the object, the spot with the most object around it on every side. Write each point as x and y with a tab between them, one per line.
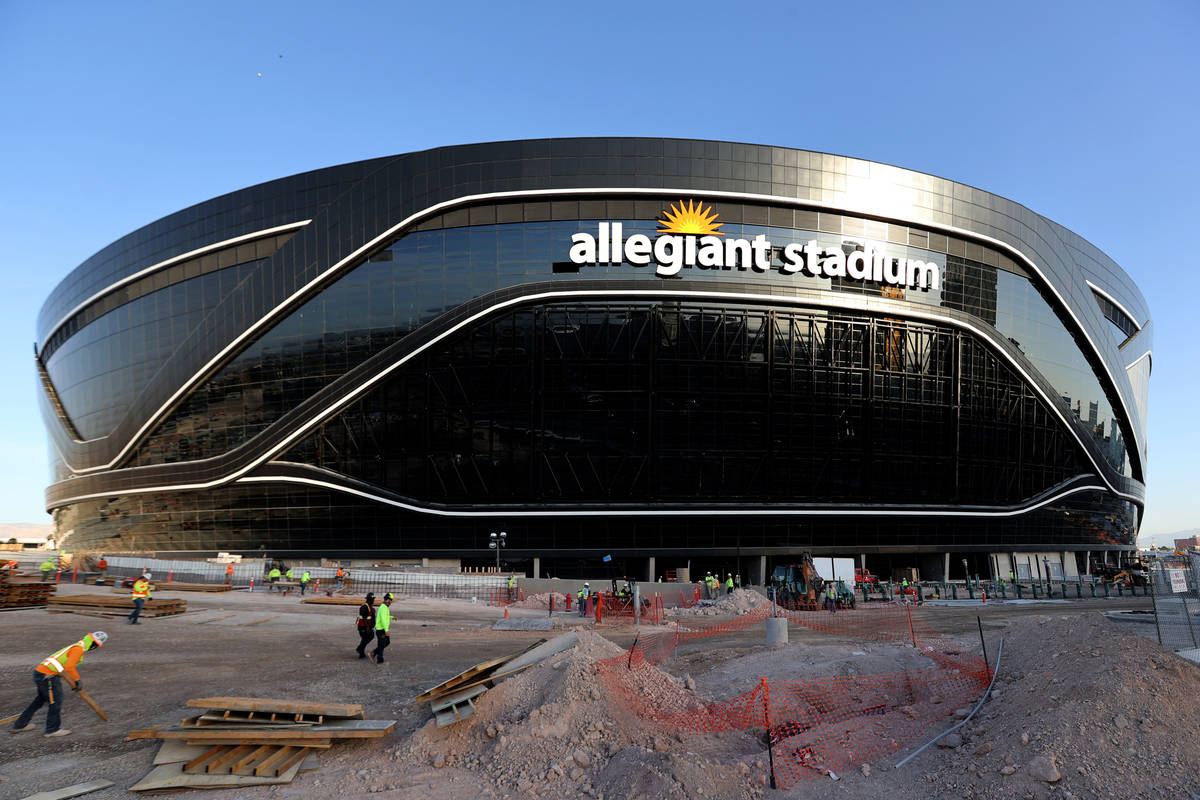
438	208
199	251
1117	303
1146	354
688	512
852	302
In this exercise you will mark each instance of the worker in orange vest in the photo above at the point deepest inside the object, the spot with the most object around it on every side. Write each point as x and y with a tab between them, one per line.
49	686
341	573
229	574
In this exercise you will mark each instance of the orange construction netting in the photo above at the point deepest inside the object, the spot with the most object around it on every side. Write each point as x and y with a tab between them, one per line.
818	725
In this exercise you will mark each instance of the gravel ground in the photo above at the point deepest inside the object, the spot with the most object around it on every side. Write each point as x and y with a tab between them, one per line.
1107	710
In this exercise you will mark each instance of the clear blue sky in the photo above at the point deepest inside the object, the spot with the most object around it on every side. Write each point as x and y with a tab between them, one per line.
116	114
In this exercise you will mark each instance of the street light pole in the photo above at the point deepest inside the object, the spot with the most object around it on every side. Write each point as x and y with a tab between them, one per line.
496	542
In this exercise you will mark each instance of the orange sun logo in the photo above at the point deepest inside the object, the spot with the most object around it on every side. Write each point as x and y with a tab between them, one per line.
690	219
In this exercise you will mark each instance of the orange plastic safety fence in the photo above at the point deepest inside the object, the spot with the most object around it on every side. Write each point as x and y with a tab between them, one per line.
815	725
506	596
621	607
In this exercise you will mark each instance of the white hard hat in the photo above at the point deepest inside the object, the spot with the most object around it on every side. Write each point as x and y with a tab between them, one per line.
99	637
585	583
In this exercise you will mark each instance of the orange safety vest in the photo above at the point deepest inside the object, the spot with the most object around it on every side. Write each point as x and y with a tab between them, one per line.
62	661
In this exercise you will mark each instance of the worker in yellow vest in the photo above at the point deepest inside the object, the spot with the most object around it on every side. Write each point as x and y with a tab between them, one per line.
141	593
729	583
46	677
383	624
46	568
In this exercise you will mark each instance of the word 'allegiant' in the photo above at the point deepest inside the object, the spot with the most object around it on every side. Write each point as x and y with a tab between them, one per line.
672	253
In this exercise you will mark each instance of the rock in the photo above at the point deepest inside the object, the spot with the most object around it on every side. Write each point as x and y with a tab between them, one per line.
661	744
1007	769
581	758
1024	737
866	770
909	710
995	694
961	713
1120	722
439	761
594	693
491	732
1043	768
950	740
689	683
537	712
983	749
576	774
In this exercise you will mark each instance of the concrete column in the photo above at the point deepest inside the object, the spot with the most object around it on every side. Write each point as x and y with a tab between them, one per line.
762	570
650	576
862	560
537	568
946	567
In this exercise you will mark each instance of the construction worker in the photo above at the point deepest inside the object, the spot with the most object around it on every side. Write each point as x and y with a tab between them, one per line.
229	574
102	565
304	579
341	574
830	598
141	593
12	565
46	568
49	685
512	588
728	583
904	589
737	581
582	597
383	623
273	576
290	574
365	624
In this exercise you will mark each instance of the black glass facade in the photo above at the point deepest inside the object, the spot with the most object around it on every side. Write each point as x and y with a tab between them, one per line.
413	380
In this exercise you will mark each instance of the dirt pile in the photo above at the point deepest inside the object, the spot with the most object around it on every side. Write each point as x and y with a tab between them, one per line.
552	732
541	600
740	601
1082	707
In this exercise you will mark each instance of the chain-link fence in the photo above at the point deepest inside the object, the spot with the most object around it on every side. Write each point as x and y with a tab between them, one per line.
1177	603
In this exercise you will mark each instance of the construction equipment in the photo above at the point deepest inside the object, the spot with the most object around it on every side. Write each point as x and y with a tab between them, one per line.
842	595
798	587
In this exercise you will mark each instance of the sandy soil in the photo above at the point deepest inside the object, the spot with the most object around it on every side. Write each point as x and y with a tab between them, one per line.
1089	699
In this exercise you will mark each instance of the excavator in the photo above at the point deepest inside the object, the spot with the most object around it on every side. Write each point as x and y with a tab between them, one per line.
798	587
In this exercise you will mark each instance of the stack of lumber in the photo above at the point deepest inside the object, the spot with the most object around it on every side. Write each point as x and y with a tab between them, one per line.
17	592
248	741
179	586
99	605
337	601
454	700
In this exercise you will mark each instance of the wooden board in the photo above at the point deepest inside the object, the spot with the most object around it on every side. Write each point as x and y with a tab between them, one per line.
319	744
278	706
347	729
172	776
335	601
70	791
471	673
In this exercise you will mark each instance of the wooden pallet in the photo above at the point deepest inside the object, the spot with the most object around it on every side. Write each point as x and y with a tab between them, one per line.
107	605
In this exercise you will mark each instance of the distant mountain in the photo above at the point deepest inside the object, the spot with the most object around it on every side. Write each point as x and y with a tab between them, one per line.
1166	539
24	530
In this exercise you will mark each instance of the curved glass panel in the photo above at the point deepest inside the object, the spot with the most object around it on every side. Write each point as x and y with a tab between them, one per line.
427	273
660	403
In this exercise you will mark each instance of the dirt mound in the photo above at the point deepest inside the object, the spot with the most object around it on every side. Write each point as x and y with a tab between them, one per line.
740	601
551	732
1081	705
541	600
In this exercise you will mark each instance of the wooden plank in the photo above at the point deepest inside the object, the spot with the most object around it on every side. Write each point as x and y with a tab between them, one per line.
282	706
267	765
230	720
208	754
323	744
173	750
172	776
217	763
300	755
346	729
74	790
472	672
334	601
447	700
259	753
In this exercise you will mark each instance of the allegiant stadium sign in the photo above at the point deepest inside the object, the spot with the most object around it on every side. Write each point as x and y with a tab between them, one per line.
691	239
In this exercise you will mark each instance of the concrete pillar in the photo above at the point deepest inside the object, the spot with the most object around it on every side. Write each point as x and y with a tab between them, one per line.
777	630
537	568
862	560
946	567
650	576
762	570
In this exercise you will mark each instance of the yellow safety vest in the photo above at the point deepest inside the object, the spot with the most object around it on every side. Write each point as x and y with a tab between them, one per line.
141	588
54	661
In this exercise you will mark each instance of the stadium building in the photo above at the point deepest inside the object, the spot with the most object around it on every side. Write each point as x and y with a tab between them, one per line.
664	352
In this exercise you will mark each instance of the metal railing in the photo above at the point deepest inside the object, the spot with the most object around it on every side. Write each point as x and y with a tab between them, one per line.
1177	604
